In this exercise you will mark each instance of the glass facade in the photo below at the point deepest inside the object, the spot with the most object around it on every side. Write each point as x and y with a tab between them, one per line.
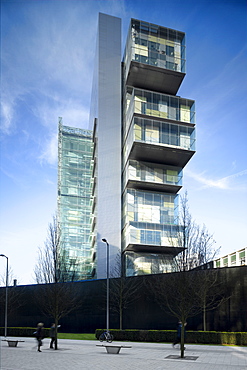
149	218
159	133
158	140
147	172
141	264
155	46
163	106
142	207
74	197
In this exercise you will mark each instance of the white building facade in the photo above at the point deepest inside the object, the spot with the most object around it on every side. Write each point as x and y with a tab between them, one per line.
237	258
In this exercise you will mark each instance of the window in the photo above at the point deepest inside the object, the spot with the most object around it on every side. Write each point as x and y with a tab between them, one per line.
233	259
225	261
170	50
150	237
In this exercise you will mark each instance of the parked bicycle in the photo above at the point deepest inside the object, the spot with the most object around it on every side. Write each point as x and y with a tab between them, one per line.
108	337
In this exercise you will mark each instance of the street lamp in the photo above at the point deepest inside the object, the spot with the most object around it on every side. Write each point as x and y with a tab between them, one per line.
6	295
107	286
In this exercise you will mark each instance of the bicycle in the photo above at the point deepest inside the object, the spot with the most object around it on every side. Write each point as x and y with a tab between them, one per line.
106	336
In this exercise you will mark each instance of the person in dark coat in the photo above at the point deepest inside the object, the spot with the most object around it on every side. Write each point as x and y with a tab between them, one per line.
179	330
40	335
52	335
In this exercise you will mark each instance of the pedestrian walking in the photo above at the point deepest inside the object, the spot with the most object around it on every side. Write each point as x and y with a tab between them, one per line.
179	331
53	334
39	334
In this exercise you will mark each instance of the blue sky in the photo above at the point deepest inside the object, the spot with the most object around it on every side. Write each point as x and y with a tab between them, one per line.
47	51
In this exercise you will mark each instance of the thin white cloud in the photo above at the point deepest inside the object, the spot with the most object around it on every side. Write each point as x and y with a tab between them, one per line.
214	96
224	183
74	117
49	153
229	73
47	58
6	117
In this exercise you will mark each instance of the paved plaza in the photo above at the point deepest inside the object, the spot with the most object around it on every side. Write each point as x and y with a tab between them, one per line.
85	355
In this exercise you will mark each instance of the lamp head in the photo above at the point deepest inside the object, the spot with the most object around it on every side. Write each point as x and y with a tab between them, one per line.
105	241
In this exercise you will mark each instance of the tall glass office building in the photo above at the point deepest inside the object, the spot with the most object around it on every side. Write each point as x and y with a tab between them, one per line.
74	199
142	136
158	141
142	146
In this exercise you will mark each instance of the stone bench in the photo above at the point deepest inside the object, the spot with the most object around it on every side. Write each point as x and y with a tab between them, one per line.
112	348
12	342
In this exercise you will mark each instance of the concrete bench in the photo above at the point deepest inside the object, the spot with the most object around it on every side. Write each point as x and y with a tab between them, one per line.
12	342
112	348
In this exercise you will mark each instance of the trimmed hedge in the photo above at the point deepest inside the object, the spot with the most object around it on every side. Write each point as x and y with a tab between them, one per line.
214	337
165	336
202	337
22	332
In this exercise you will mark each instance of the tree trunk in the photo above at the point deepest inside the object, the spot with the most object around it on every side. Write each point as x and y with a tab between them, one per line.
56	318
56	324
121	305
182	341
204	318
121	319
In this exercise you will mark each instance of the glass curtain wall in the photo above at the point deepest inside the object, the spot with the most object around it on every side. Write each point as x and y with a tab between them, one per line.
74	198
149	172
159	133
147	217
156	46
163	106
143	263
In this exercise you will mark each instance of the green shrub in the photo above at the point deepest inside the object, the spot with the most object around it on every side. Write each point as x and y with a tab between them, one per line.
22	332
168	336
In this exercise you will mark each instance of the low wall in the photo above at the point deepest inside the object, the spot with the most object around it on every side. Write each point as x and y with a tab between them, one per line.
143	314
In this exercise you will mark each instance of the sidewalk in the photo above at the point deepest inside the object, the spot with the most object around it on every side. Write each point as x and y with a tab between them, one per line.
85	355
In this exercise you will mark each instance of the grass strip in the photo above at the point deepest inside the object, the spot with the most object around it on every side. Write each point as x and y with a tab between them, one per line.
79	336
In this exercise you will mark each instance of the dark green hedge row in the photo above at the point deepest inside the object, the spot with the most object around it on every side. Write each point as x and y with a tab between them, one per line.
203	337
213	337
22	332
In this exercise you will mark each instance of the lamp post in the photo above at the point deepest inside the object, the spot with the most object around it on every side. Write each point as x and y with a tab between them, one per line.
107	285
6	295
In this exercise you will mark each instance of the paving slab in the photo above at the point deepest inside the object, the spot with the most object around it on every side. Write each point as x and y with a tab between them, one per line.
86	355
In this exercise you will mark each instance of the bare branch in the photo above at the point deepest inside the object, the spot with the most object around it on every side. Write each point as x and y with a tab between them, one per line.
123	290
197	243
57	297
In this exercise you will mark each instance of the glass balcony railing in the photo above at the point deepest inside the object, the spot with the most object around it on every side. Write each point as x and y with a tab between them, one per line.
151	237
143	263
156	46
158	105
167	237
146	172
145	207
159	133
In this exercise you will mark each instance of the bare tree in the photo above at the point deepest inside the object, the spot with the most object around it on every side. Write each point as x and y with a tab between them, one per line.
176	294
15	296
197	243
210	291
11	277
57	297
53	264
187	293
124	291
